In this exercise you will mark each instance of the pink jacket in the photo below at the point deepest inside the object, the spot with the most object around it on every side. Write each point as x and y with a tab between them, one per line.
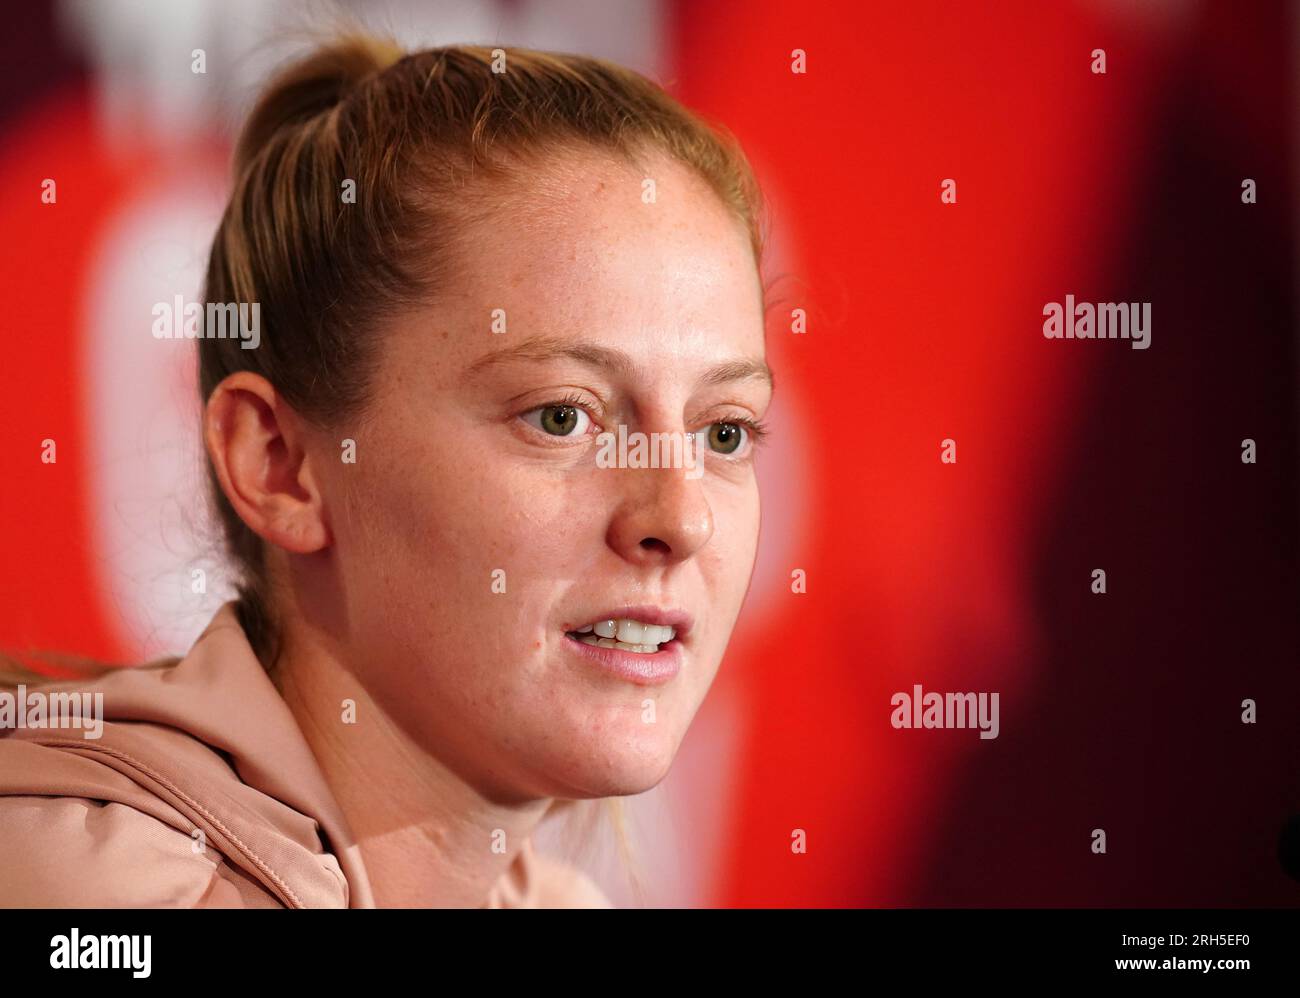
201	792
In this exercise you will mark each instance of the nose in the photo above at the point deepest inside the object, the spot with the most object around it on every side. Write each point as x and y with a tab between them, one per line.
664	516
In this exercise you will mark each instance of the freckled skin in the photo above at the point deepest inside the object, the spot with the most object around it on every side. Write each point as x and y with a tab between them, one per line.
451	484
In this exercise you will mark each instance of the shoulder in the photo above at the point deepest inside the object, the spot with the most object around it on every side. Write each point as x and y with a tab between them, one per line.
79	852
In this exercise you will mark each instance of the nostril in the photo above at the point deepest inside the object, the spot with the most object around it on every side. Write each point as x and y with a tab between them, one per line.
655	544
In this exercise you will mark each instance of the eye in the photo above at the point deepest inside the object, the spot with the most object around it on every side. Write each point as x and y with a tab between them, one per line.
558	420
726	438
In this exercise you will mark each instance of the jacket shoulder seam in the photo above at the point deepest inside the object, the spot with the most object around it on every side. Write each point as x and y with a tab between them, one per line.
153	774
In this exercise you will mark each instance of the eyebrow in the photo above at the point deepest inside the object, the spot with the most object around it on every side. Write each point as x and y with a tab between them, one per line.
538	349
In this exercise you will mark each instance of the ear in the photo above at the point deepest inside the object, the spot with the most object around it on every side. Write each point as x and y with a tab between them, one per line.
258	448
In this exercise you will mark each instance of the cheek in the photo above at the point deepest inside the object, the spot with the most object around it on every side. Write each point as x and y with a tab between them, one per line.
728	559
726	563
473	544
449	565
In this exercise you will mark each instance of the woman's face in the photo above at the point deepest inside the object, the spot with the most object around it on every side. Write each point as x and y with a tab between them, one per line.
479	530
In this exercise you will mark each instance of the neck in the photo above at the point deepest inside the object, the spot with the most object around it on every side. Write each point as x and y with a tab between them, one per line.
427	837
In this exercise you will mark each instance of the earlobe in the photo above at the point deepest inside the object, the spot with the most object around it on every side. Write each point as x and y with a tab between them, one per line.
259	452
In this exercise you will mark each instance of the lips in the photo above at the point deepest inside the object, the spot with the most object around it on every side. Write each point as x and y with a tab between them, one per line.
641	630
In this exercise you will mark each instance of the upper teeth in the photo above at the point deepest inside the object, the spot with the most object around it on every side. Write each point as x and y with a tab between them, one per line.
632	632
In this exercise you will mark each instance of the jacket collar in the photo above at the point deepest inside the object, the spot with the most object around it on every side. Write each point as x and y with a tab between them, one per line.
173	731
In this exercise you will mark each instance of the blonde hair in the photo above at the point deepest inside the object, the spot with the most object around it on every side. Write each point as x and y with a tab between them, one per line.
427	138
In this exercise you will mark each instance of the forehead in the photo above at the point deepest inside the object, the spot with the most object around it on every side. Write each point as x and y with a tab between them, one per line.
641	255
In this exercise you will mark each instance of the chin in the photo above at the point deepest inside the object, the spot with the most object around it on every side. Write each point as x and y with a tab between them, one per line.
620	767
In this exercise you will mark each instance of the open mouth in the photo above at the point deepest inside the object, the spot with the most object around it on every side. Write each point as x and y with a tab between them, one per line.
625	634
